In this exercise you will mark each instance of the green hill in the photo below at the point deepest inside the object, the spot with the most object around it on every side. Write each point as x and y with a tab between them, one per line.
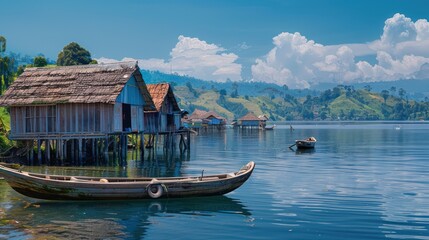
339	103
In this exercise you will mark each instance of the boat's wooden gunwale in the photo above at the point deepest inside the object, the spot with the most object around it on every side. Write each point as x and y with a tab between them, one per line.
77	188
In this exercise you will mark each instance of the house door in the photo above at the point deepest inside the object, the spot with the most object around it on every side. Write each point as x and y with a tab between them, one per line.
126	117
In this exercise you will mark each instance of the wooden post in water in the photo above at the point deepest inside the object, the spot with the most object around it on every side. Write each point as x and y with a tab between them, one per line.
80	151
65	149
27	143
142	146
32	152
115	148
73	152
47	152
124	149
39	151
94	150
106	149
188	136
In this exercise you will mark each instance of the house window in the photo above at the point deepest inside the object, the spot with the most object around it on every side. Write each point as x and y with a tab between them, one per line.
40	119
52	118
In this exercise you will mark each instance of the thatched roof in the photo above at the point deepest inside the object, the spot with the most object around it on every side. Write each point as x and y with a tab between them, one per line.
97	83
201	114
160	93
249	117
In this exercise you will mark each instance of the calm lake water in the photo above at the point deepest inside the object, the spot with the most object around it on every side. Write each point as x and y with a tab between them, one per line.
363	181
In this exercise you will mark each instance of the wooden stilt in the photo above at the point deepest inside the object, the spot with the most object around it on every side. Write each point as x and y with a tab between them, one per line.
124	149
80	151
39	151
60	150
94	150
47	152
106	149
73	151
188	138
115	148
65	155
27	143
32	152
142	146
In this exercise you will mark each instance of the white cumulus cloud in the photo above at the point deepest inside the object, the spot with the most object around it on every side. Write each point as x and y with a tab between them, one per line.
401	51
196	58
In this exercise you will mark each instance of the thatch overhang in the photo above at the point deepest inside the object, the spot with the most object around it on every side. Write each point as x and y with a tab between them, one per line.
198	114
249	117
160	93
96	83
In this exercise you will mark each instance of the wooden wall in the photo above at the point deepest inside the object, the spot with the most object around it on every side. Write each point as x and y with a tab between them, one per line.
61	118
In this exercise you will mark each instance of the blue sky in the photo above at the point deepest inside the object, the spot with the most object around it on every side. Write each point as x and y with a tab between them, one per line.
294	42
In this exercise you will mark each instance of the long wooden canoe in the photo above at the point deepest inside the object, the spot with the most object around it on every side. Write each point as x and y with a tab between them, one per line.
59	187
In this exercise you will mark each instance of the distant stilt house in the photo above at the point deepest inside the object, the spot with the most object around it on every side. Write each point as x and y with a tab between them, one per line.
204	120
77	111
251	121
166	120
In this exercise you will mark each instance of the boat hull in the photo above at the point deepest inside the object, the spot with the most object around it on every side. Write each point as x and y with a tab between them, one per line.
303	144
85	188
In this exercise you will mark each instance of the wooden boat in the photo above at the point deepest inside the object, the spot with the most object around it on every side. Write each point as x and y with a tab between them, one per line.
58	187
270	127
306	143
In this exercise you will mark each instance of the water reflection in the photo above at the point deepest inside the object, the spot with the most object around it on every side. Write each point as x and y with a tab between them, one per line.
154	165
300	151
363	181
101	219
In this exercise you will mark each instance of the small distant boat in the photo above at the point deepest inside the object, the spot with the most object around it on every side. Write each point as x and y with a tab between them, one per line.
270	127
306	143
58	187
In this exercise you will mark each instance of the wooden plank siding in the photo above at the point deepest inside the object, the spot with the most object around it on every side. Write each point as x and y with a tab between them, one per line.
77	100
62	119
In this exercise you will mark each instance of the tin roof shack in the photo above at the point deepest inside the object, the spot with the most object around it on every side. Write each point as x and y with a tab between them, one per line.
168	113
70	108
250	120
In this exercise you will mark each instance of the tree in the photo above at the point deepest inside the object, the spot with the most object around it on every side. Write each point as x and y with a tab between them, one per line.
385	95
368	88
222	92
401	93
392	90
40	61
20	70
73	54
6	66
2	44
234	93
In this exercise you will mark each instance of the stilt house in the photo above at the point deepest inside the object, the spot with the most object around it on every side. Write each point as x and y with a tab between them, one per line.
77	103
250	120
167	117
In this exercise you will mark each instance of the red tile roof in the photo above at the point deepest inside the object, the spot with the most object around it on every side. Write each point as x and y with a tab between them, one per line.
161	92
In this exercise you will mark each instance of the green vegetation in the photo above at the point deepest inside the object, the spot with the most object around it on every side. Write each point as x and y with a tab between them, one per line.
5	143
40	61
74	54
340	103
6	67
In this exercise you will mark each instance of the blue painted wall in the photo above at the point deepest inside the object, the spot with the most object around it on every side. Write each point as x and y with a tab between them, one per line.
131	94
250	123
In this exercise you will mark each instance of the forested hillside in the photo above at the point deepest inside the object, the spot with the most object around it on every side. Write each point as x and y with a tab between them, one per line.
340	103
